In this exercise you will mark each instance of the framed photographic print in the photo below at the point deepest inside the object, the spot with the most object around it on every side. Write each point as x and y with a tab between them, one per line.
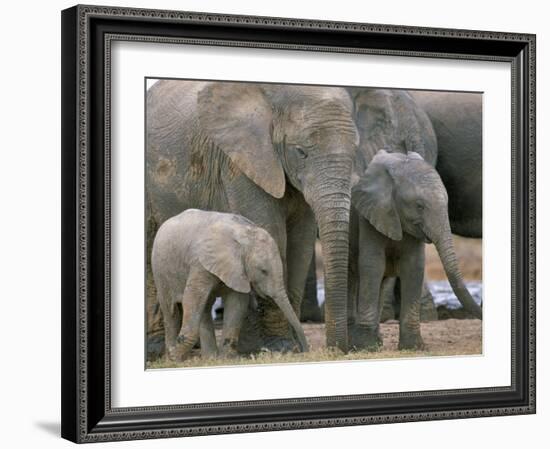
278	224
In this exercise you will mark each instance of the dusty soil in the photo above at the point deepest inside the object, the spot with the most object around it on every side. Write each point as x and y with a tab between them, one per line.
445	336
441	338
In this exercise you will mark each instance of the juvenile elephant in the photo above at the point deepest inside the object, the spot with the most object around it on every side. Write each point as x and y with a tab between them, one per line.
402	205
199	255
385	118
279	155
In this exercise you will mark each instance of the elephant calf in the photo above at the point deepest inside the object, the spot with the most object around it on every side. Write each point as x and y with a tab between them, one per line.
402	204
199	255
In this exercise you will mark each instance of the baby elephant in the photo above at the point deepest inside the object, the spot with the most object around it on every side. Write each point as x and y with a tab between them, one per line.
199	255
402	204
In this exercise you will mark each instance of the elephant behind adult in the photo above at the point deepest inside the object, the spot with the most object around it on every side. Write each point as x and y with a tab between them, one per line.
457	120
280	155
391	118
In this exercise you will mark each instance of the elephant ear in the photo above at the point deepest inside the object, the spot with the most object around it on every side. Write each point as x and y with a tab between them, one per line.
373	108
221	254
238	119
372	196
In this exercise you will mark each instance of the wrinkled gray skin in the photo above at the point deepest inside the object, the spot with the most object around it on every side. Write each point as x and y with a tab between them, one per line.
390	118
457	120
402	205
199	255
279	155
385	118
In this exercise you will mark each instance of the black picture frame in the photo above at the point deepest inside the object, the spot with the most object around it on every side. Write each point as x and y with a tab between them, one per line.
87	415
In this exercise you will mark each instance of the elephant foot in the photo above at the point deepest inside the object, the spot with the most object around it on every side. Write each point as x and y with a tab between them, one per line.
181	349
155	347
364	338
229	349
172	354
279	344
411	342
209	355
250	336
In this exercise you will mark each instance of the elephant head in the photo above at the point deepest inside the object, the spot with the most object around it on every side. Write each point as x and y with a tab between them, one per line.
401	193
246	257
294	138
265	270
390	118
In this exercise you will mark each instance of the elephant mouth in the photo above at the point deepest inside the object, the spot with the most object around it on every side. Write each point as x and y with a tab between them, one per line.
258	292
421	234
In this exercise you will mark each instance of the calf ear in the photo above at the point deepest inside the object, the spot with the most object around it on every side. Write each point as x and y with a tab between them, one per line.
372	197
237	117
221	255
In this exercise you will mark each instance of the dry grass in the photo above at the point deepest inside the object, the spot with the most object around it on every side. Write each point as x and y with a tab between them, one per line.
441	338
321	355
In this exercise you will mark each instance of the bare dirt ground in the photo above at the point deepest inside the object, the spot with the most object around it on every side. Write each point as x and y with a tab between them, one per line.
448	337
441	338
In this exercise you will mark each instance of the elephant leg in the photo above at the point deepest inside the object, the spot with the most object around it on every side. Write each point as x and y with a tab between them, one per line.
250	336
371	268
353	291
155	323
169	318
353	276
209	347
235	309
300	253
200	284
310	310
353	287
387	299
411	274
428	311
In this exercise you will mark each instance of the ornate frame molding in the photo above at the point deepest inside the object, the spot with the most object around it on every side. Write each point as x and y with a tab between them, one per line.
80	413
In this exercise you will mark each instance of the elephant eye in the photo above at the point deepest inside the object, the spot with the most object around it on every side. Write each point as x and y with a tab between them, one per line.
300	152
420	206
264	271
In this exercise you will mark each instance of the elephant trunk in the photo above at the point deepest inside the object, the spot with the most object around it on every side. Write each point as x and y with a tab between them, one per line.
283	303
447	254
331	206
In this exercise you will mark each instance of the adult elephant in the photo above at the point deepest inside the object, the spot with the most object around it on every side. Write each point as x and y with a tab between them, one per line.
457	121
280	155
